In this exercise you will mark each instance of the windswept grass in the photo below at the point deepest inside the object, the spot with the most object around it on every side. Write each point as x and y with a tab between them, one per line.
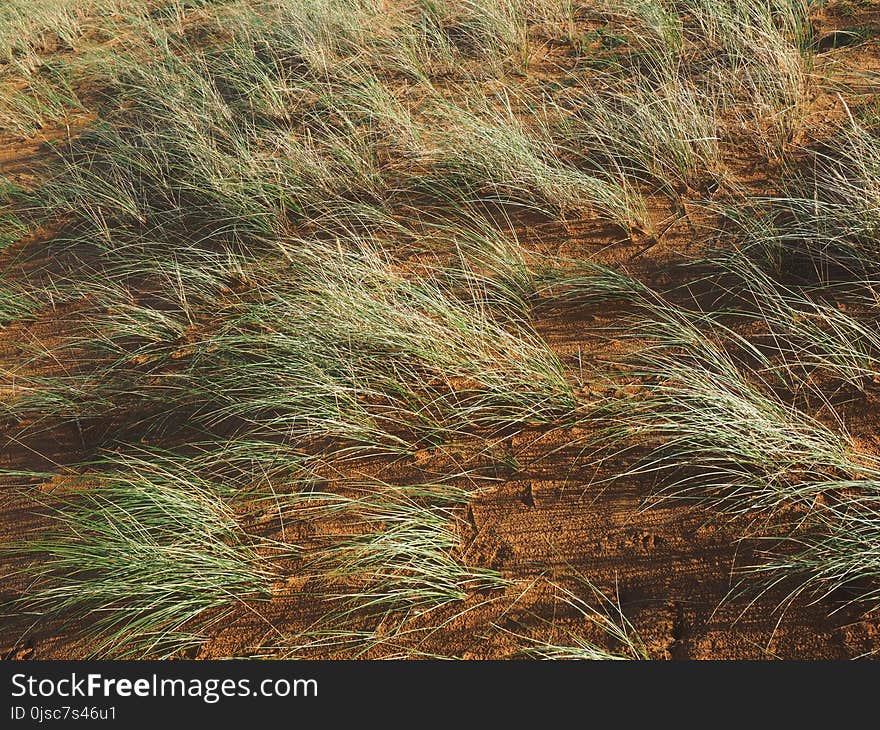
292	241
809	333
149	558
830	215
28	29
402	553
333	345
666	132
766	52
716	422
16	305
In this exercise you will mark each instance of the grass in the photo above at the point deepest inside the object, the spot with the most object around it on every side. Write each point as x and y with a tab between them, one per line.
720	420
16	305
600	612
274	248
492	155
812	335
828	219
28	29
767	61
148	556
666	133
401	554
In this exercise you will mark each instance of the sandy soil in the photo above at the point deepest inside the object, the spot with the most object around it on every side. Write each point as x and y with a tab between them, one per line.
673	565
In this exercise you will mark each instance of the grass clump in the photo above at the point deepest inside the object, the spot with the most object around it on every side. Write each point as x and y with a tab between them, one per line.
716	421
148	558
402	553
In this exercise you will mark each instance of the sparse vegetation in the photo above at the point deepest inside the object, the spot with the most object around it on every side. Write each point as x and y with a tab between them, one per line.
289	289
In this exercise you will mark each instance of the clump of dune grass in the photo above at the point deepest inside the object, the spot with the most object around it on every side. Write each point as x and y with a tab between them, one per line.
147	557
48	96
372	336
28	29
401	552
321	34
836	556
809	331
12	229
493	31
665	133
751	60
247	149
766	63
332	344
717	425
492	153
391	562
180	162
715	422
654	23
830	216
17	304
